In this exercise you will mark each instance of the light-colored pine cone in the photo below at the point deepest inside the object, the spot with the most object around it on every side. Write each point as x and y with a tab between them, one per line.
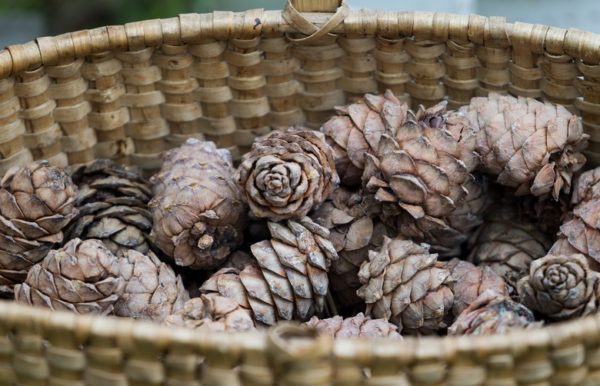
83	277
532	146
112	202
152	289
560	287
287	173
197	209
36	202
213	313
492	313
403	283
357	129
289	279
508	242
469	281
359	326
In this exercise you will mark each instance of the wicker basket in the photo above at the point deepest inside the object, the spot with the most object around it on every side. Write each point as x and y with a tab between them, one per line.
130	92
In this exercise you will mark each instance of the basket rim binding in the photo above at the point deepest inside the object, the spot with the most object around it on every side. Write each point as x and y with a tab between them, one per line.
191	28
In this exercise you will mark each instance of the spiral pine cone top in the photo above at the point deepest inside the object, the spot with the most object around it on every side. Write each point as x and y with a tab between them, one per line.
404	284
36	202
83	277
152	289
112	203
287	173
560	287
289	280
357	129
198	212
531	146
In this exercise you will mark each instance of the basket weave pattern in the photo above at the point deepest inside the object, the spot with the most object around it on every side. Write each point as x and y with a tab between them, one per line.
130	92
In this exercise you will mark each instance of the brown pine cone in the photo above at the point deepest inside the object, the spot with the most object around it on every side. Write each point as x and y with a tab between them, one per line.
531	146
287	173
560	287
580	233
422	176
198	212
36	202
446	235
112	202
356	130
508	242
403	283
213	313
289	280
82	277
359	326
353	231
152	289
492	313
469	281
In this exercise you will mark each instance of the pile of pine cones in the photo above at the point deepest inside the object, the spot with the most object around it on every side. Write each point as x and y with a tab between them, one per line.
386	222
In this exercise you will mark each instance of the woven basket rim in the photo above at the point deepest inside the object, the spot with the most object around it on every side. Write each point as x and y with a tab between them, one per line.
189	28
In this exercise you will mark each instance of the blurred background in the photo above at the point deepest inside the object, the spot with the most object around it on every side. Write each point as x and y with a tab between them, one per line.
24	20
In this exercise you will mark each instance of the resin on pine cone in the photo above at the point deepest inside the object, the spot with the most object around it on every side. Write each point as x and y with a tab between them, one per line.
198	212
508	242
287	173
152	289
492	313
354	229
403	283
357	129
36	202
214	313
83	277
112	202
532	146
423	176
359	326
289	280
469	281
560	287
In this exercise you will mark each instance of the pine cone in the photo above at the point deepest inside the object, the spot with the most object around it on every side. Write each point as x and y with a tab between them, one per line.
36	203
214	313
531	146
403	284
289	280
580	233
287	174
197	209
82	277
560	287
491	314
353	231
356	130
446	235
152	289
112	202
469	281
508	242
359	326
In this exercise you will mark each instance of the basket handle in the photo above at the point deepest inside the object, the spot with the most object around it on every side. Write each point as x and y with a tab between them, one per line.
295	18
